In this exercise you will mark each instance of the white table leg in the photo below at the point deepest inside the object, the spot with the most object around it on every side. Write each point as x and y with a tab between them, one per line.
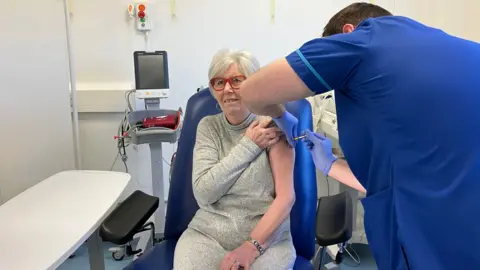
95	252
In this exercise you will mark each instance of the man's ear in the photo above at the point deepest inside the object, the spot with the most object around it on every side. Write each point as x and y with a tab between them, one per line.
348	28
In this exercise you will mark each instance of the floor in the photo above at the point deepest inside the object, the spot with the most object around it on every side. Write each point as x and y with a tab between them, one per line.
80	261
366	259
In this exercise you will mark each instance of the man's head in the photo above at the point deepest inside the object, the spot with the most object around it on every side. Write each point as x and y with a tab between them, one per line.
348	18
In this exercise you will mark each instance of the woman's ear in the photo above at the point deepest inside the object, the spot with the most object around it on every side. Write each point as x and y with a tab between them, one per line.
348	28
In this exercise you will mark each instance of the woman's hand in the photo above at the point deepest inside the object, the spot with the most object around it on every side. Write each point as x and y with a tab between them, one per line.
262	135
242	257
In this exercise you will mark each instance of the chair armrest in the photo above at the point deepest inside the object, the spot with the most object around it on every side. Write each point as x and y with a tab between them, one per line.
128	218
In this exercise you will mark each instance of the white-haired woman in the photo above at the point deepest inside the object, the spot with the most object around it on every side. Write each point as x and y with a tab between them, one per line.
242	181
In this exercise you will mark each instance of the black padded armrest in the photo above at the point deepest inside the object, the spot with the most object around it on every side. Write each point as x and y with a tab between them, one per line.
334	219
128	218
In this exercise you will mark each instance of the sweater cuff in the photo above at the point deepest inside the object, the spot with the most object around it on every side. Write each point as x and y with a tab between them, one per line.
250	146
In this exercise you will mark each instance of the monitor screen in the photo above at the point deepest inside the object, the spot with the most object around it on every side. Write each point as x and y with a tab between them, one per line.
151	70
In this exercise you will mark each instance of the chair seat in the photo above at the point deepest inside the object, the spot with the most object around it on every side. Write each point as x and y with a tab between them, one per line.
161	257
128	218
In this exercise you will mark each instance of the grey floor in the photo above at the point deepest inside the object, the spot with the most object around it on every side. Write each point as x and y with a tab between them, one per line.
366	259
80	261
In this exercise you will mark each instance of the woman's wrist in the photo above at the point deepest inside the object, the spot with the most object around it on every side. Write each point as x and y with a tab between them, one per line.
256	246
255	253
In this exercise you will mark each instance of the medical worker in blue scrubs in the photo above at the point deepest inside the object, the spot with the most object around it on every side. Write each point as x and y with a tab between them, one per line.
408	107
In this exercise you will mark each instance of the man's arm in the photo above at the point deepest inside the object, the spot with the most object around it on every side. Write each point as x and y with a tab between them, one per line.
281	158
341	172
278	83
320	65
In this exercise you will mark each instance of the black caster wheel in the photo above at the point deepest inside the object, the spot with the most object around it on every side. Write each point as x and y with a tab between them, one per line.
118	256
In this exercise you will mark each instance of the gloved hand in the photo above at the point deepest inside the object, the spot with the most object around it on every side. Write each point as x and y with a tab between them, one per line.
288	124
321	149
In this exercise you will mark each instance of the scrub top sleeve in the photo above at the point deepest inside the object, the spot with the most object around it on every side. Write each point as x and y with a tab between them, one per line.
324	64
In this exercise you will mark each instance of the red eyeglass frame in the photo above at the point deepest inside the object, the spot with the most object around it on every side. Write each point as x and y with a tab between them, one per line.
227	80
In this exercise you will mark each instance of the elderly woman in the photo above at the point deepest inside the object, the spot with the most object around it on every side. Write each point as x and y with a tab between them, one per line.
242	181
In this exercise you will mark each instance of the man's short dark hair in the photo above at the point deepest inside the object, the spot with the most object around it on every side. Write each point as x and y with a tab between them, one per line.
353	14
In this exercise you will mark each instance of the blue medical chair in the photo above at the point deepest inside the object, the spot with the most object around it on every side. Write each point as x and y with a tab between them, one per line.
182	204
329	224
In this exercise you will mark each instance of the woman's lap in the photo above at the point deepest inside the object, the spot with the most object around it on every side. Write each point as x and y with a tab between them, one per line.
197	251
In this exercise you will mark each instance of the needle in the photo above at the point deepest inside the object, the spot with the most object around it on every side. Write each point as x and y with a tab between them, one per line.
299	137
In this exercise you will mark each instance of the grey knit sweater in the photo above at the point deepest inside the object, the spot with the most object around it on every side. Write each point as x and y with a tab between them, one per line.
232	182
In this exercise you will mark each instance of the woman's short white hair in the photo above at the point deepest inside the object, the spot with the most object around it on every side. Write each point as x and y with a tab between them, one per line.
246	63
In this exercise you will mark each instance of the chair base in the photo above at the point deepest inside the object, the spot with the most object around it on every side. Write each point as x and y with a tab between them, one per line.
325	252
330	266
158	257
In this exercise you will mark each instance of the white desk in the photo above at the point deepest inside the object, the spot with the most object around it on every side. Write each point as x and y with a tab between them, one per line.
45	224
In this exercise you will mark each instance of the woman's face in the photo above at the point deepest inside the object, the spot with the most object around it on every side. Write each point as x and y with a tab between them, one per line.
225	89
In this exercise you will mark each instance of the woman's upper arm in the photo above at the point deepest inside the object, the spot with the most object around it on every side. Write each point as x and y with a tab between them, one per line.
205	154
282	159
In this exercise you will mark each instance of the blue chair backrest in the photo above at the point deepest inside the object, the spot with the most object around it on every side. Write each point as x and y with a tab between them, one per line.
182	205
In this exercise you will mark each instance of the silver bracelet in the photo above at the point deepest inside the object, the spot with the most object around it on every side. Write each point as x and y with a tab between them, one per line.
257	246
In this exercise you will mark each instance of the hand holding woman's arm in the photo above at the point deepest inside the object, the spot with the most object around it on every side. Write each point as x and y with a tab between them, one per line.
213	177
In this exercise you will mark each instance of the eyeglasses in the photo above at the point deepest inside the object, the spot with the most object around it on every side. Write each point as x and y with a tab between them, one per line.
218	84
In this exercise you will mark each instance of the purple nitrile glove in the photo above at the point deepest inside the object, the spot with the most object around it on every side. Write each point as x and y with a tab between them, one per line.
288	124
320	148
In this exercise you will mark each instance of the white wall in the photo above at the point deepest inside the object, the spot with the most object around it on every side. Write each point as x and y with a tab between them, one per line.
104	44
35	119
104	41
459	18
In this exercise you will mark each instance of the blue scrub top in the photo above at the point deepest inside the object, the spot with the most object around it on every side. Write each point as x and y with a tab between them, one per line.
408	106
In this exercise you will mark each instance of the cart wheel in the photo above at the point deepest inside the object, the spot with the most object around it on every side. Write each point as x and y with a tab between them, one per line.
118	256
